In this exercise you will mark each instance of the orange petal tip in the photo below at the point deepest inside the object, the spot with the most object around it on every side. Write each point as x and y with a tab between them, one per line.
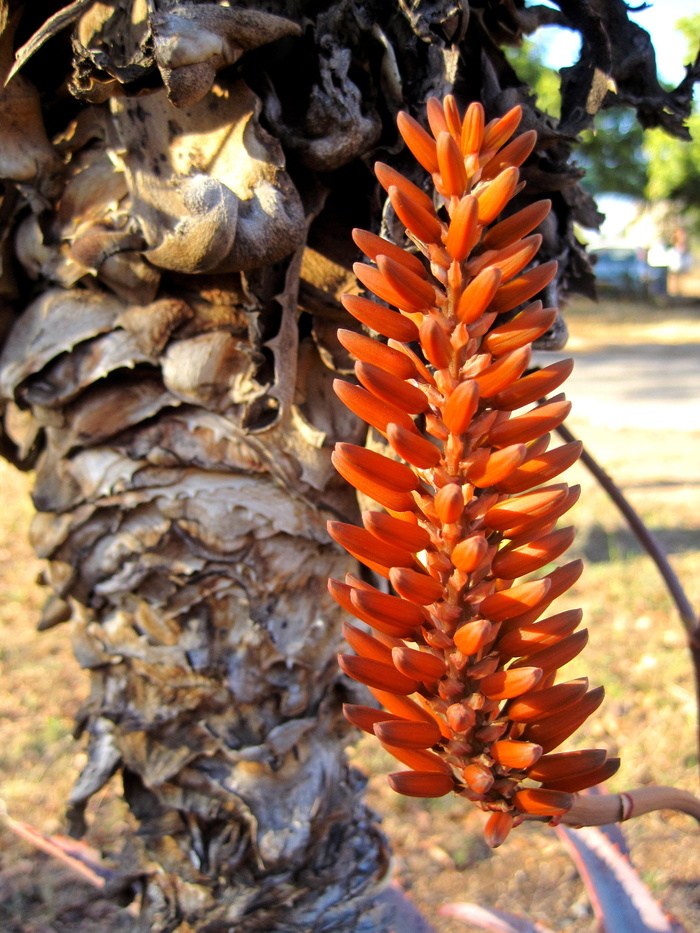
498	826
421	783
539	802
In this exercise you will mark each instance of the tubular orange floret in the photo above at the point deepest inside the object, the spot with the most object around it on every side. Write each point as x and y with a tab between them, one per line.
503	372
521	289
515	754
563	765
418	665
459	717
560	580
534	386
376	466
544	522
497	467
452	117
510	512
463	231
542	468
366	645
373	246
435	342
461	406
541	704
557	655
391	389
340	593
413	448
469	553
395	530
449	503
472	637
478	778
376	475
402	707
473	128
525	327
379	354
385	321
493	197
552	731
412	288
361	544
422	223
343	594
419	759
377	674
415	586
513	259
421	783
436	117
514	153
370	408
518	561
514	600
529	638
461	659
421	144
516	226
538	802
478	295
572	785
407	734
364	717
504	685
451	163
497	828
389	287
499	131
530	425
394	609
388	177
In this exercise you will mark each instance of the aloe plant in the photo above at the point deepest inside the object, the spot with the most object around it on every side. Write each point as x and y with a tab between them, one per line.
178	184
470	509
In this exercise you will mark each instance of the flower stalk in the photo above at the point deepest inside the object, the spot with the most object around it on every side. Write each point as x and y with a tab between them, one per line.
463	657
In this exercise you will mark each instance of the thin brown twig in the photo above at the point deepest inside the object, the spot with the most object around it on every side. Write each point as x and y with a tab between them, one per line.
649	543
691	621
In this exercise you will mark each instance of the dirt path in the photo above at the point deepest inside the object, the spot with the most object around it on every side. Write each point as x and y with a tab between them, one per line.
635	392
642	385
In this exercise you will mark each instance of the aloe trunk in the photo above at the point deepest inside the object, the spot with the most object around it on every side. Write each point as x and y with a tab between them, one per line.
179	183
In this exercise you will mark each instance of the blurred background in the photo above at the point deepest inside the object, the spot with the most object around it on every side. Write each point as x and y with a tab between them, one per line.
645	182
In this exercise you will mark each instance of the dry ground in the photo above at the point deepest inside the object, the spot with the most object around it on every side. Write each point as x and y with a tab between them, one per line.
636	649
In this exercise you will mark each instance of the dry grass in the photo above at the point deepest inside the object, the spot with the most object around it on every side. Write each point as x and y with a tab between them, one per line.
41	688
636	649
37	721
619	321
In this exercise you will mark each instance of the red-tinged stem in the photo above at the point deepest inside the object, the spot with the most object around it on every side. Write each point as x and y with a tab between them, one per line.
602	809
82	864
691	622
